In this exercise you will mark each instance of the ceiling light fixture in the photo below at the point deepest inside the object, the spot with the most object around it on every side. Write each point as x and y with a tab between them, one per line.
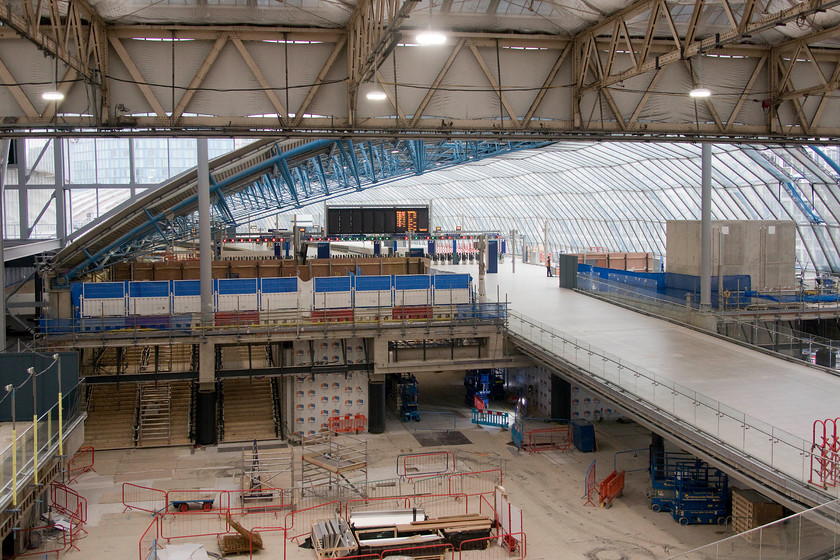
429	37
700	92
376	95
53	95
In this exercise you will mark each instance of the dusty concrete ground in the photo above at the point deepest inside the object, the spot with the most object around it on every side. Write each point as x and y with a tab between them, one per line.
547	486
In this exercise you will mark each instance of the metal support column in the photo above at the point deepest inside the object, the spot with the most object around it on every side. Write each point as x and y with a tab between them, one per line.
23	185
206	403
4	160
706	227
60	204
204	238
482	255
513	251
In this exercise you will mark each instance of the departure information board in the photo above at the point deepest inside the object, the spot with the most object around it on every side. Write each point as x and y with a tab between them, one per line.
377	220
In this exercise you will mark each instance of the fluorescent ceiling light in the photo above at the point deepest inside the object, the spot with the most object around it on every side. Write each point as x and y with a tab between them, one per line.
376	95
52	95
430	38
700	92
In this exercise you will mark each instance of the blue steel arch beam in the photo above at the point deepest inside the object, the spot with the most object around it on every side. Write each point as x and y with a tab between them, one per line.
260	180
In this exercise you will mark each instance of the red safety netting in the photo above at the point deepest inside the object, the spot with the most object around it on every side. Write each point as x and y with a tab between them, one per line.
505	546
190	524
486	509
149	541
590	485
441	506
474	483
37	544
547	439
419	551
71	504
425	464
299	523
143	498
67	501
81	463
373	504
168	524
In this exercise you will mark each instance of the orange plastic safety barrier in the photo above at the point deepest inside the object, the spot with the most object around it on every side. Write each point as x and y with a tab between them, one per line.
348	424
610	488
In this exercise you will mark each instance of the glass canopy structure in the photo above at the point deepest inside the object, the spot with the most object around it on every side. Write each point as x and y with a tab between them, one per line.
618	196
574	195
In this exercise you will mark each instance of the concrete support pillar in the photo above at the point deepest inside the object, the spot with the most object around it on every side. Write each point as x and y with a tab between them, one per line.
376	407
706	227
381	357
204	238
205	421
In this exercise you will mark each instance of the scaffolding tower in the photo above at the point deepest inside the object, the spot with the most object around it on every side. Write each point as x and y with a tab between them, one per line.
265	472
333	466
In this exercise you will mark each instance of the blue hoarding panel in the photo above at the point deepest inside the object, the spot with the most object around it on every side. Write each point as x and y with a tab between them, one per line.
332	284
186	287
97	290
371	283
412	282
452	281
228	286
323	250
278	285
157	288
493	256
76	297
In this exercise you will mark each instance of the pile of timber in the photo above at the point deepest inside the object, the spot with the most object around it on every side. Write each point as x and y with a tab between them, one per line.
455	529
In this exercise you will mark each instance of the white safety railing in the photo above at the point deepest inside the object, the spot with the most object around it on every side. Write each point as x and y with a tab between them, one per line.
814	533
301	320
774	448
790	342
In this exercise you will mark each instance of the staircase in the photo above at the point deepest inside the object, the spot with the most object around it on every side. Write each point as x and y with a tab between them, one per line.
248	410
154	414
111	413
180	413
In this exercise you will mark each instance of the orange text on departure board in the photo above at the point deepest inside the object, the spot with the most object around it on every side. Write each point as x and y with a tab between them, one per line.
407	219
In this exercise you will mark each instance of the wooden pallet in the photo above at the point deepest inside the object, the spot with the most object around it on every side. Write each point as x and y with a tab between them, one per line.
750	510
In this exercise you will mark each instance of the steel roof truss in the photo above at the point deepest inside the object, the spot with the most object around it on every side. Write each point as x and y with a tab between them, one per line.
154	223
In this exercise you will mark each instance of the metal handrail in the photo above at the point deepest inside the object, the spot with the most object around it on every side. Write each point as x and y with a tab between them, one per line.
628	295
825	514
785	453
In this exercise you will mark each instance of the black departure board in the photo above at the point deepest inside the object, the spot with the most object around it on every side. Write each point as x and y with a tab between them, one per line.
377	220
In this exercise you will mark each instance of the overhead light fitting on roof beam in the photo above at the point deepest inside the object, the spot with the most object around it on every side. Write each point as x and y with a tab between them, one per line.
430	37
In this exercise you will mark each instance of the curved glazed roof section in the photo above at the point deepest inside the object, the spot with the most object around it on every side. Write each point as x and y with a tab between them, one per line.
619	195
259	180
